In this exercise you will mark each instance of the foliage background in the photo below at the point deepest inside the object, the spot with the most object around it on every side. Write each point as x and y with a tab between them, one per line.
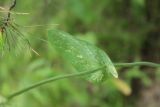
128	30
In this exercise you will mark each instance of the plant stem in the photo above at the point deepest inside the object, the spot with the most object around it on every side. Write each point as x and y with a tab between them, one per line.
43	82
150	64
52	79
11	7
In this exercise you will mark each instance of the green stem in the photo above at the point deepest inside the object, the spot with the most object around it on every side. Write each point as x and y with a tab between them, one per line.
150	64
43	82
52	79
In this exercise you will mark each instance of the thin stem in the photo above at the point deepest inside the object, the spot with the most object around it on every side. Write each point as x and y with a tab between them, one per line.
150	64
11	7
8	15
52	79
43	82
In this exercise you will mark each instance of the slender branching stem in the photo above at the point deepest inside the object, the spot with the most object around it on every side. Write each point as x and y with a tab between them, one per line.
52	79
43	82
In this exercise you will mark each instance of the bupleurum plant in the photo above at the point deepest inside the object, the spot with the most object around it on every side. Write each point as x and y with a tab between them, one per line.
91	62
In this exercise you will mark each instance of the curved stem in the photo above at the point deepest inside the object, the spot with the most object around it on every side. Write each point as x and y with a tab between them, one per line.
43	82
52	79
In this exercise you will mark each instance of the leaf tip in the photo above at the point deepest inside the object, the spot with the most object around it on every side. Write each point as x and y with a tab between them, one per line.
113	71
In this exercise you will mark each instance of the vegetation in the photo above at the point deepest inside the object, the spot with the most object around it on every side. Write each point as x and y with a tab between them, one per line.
113	45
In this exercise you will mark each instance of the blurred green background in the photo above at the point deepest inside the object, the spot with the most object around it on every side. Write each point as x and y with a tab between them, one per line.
128	30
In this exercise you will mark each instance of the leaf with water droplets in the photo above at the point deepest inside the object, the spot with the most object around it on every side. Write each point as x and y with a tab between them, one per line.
82	55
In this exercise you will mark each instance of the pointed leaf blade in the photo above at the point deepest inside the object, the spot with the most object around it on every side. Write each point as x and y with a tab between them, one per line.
82	55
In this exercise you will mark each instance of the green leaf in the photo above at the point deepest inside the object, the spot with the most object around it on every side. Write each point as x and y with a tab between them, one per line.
82	55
